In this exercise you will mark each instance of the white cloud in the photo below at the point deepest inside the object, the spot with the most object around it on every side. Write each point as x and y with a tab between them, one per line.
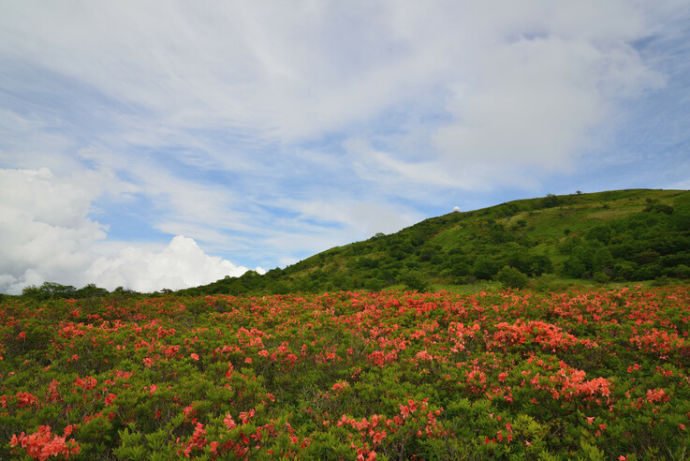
537	102
363	217
529	86
28	141
181	264
324	222
233	64
180	200
44	228
298	69
524	85
47	235
412	178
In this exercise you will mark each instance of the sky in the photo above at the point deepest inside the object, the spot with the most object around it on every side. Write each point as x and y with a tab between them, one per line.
155	145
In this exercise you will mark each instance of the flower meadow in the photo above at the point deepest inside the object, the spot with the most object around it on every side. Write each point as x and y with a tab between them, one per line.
589	373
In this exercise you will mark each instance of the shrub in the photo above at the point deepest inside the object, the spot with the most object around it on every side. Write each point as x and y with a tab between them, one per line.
512	277
414	281
485	268
550	201
601	277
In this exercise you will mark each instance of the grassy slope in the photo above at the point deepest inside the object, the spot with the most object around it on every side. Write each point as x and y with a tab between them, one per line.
444	249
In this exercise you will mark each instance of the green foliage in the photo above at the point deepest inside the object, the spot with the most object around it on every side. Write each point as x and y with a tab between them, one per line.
602	233
550	201
52	290
627	235
681	213
572	374
49	290
512	277
413	280
614	236
485	267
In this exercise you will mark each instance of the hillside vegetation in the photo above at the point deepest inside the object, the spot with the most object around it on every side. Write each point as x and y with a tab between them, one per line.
593	374
625	235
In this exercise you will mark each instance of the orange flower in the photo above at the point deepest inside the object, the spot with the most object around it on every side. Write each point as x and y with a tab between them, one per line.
43	444
378	436
229	422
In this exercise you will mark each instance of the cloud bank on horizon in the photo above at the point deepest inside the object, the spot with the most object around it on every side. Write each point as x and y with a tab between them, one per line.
165	145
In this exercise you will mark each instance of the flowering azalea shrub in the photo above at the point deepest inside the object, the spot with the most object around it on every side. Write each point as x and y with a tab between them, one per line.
42	444
590	374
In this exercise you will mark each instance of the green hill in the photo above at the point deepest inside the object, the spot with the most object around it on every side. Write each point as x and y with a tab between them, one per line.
624	235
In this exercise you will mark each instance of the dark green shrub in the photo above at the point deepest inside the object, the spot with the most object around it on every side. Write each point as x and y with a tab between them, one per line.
485	267
550	201
512	277
414	281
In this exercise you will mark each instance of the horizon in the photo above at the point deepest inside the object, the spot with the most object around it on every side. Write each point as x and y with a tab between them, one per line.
163	146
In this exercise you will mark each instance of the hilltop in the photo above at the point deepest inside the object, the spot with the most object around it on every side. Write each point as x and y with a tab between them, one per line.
623	235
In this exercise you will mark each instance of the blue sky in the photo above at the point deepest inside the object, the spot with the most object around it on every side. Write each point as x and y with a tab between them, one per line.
168	144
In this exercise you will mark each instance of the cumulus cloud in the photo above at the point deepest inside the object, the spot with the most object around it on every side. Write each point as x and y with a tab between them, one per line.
47	235
45	230
181	264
